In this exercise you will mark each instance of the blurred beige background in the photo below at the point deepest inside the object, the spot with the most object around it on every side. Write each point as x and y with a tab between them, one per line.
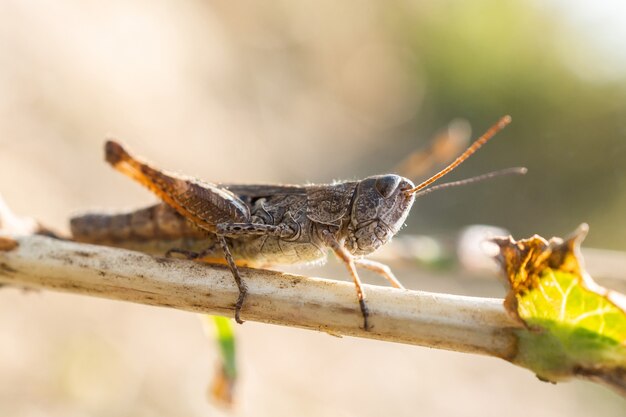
297	92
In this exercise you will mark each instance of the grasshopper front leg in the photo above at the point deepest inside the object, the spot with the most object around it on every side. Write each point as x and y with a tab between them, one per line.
343	254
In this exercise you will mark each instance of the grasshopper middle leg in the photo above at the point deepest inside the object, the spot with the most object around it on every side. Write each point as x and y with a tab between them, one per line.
233	230
243	229
221	241
241	285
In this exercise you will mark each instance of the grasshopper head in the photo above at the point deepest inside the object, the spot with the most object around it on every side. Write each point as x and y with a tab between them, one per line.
380	207
381	203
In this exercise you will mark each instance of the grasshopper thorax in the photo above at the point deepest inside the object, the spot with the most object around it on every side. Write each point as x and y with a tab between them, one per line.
380	207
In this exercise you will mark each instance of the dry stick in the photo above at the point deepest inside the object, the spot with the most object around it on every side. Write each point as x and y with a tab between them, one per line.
465	324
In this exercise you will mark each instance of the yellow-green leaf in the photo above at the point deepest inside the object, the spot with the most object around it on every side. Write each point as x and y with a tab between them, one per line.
571	326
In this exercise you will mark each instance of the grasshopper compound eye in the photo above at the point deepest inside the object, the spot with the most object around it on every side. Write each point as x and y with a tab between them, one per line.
387	184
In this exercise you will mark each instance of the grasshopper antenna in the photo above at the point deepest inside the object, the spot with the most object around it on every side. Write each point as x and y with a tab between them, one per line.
469	152
478	178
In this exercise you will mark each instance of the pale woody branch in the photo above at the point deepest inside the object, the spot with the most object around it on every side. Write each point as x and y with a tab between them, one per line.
466	324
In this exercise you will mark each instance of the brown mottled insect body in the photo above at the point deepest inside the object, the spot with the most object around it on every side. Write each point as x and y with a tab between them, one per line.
296	216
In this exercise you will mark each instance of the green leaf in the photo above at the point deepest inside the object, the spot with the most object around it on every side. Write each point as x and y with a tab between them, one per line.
226	343
572	327
223	384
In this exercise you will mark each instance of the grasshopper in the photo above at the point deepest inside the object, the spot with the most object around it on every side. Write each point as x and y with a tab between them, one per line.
264	225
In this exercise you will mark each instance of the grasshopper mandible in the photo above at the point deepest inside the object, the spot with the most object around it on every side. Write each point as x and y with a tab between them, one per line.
264	225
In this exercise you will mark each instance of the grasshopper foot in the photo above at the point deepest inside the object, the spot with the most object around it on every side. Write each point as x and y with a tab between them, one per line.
243	291
366	313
